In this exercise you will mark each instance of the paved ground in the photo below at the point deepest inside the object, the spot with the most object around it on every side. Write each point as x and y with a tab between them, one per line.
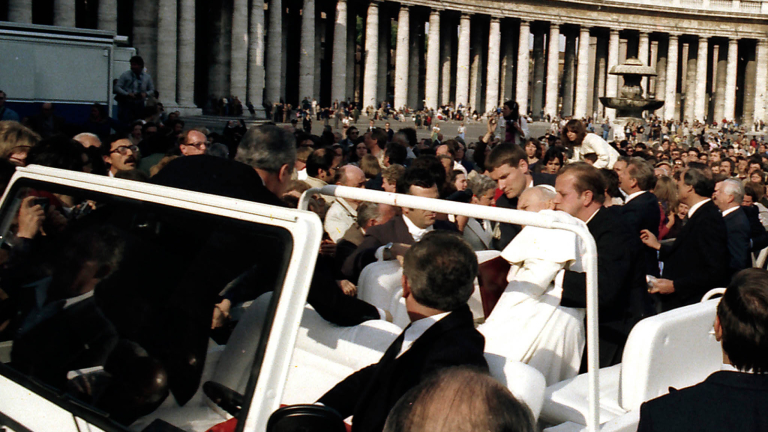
449	129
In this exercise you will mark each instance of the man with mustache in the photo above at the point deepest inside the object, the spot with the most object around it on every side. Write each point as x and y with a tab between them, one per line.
120	155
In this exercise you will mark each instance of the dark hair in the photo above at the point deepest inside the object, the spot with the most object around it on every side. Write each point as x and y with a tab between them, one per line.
578	128
380	137
452	147
478	156
58	152
410	134
514	107
320	159
611	180
553	153
587	178
459	398
433	166
754	190
396	153
539	147
743	314
699	176
137	60
415	176
503	154
441	270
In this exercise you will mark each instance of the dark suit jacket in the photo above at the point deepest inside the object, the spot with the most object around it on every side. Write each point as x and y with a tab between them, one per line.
370	393
698	259
757	232
394	231
725	401
621	286
77	337
643	213
737	226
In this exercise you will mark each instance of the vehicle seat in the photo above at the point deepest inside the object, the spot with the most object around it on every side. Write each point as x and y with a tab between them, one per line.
659	353
380	285
525	382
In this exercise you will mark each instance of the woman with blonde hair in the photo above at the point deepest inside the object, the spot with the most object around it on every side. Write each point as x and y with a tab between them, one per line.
574	136
370	166
15	141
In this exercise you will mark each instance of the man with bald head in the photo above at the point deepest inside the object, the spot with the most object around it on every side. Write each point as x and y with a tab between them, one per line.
537	198
88	139
343	212
192	142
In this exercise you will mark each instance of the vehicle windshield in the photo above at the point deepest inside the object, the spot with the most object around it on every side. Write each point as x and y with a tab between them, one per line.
113	301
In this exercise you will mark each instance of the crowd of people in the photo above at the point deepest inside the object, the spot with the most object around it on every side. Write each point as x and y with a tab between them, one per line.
673	214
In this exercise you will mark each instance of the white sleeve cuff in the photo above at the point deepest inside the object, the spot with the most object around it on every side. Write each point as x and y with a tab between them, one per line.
380	253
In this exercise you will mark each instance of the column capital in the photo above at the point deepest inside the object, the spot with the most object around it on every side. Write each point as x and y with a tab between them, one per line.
524	22
466	15
733	40
614	31
495	18
674	35
435	11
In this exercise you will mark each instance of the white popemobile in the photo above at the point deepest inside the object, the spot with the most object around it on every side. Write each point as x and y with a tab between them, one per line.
282	352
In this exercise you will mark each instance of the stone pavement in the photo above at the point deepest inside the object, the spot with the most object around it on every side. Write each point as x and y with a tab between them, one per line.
449	129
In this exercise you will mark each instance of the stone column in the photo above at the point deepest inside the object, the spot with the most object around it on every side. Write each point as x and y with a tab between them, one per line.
661	74
601	74
507	64
643	50
700	105
448	30
670	104
730	80
720	67
492	78
750	85
339	61
553	69
402	53
690	82
256	55
370	84
238	70
274	51
20	11
537	98
652	62
611	80
761	80
107	15
582	77
145	32
166	51
289	23
186	55
351	48
462	68
475	72
307	53
433	60
523	58
64	13
415	60
385	38
569	70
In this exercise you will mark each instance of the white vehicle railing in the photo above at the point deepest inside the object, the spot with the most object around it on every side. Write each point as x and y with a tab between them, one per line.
507	216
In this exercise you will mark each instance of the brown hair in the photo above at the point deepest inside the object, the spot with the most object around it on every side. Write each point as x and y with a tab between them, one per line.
370	166
587	178
505	154
577	127
14	136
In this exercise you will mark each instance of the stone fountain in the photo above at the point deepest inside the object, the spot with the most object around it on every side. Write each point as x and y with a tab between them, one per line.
631	102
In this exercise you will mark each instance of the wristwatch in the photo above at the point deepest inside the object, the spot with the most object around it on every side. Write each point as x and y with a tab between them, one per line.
387	252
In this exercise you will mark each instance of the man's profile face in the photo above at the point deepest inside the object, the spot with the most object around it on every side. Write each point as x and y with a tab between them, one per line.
568	199
511	180
625	181
719	198
195	144
122	156
422	218
532	202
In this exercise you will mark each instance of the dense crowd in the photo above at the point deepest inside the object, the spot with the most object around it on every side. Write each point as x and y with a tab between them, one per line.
674	212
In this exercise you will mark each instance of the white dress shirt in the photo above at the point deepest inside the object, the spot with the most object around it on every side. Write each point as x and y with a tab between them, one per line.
696	206
418	328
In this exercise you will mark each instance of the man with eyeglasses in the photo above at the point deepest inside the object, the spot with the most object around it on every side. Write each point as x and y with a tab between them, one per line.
192	142
120	155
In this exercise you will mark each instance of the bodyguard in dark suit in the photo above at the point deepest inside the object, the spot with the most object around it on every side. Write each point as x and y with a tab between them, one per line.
728	196
620	262
698	259
400	230
508	166
438	275
726	400
641	207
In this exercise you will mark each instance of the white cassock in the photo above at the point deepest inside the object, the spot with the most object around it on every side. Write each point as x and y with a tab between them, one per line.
528	324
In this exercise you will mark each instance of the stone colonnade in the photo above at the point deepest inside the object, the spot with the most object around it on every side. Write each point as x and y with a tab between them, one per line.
475	58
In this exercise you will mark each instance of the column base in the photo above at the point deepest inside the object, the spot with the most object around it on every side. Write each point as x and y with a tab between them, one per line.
186	111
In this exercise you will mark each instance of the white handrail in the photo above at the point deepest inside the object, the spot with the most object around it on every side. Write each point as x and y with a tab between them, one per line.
507	216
